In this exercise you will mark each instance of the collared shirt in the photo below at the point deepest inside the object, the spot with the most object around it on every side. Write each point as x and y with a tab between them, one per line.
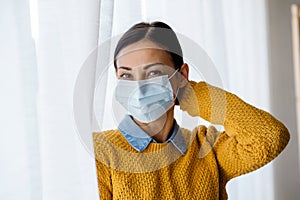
139	139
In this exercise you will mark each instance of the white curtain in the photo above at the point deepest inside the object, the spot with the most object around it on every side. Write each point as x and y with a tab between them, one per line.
20	169
50	64
41	153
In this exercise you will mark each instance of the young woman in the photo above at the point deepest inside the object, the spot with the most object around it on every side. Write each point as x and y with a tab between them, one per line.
149	156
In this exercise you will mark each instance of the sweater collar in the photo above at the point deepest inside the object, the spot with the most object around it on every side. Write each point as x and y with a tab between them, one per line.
139	139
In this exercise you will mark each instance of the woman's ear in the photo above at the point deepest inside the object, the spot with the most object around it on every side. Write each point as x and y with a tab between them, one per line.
183	80
184	75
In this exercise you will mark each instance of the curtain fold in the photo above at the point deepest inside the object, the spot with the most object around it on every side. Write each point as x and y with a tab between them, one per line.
19	148
103	55
68	33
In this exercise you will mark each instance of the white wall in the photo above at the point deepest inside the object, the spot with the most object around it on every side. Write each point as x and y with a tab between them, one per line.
286	167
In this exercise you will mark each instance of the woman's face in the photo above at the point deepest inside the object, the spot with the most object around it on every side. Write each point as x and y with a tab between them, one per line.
143	60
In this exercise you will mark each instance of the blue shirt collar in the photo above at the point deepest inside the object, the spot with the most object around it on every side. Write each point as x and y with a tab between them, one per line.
139	139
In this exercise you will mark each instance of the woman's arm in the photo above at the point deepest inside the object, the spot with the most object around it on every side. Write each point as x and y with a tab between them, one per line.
252	137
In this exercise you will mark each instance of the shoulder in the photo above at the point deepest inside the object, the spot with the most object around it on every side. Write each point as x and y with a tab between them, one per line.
106	140
106	145
209	134
98	137
204	138
110	141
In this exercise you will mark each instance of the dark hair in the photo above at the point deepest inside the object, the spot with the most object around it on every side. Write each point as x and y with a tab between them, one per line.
157	32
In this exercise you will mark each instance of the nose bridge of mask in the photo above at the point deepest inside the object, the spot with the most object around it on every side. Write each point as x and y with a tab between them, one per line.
151	90
127	87
139	86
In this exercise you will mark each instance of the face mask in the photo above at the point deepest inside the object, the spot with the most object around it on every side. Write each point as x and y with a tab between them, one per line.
146	100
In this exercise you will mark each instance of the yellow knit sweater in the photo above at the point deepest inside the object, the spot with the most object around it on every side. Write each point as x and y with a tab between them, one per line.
252	138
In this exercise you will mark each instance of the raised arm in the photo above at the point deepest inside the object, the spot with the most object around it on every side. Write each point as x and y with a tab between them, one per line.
252	137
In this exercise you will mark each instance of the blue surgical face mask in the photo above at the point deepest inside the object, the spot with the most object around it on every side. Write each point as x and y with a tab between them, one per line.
146	100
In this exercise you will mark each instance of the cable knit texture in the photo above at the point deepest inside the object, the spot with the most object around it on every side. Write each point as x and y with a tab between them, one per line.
252	138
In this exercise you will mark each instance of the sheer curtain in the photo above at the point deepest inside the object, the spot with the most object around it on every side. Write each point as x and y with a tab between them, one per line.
50	65
44	44
20	170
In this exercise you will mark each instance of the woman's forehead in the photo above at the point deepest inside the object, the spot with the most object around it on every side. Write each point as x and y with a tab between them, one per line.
142	44
141	53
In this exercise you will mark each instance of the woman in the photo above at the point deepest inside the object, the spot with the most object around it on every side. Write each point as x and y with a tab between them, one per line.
149	156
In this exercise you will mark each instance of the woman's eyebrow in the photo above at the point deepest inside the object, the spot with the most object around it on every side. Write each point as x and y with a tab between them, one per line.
151	65
123	67
145	67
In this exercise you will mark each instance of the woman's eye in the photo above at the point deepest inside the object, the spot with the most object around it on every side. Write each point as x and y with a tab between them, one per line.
155	73
125	76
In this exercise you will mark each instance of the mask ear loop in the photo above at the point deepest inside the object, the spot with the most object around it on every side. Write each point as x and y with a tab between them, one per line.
173	74
176	94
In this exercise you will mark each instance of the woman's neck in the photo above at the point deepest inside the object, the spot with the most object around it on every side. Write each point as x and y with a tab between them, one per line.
159	129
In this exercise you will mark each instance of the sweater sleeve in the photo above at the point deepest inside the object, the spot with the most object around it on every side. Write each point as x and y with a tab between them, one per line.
103	171
252	137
